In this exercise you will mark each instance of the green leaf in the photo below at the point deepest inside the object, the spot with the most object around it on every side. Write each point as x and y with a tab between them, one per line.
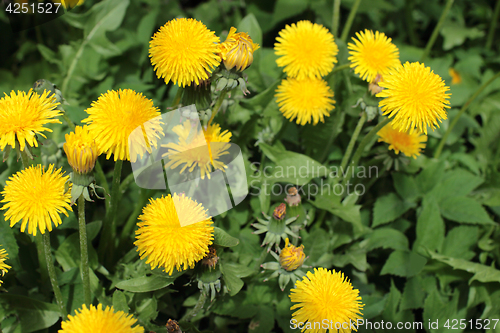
403	263
405	186
460	242
145	284
388	208
230	276
33	315
430	227
455	33
263	322
458	182
387	238
482	273
250	25
413	294
222	238
120	301
288	8
438	310
465	210
430	175
7	239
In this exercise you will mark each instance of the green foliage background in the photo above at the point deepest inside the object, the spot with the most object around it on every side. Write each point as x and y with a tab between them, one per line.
421	244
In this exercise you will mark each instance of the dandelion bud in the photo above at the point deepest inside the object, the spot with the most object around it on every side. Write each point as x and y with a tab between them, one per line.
292	257
280	212
237	50
81	150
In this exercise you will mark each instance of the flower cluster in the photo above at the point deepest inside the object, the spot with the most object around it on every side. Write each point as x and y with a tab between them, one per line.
307	51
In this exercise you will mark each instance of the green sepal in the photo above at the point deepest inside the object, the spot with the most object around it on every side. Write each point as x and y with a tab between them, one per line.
76	192
6	152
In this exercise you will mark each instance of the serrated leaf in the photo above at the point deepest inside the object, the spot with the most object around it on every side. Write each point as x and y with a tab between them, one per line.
33	315
388	208
465	210
387	238
120	301
222	238
430	227
403	263
144	284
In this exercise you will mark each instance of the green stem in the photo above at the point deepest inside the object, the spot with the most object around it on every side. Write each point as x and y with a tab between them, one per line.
129	225
106	243
336	17
68	121
352	142
409	4
218	104
339	121
126	183
493	25
178	96
41	258
461	112
340	68
350	19
435	33
197	307
357	155
52	274
84	256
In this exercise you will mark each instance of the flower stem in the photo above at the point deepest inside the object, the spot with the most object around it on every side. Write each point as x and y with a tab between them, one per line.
52	274
357	155
216	108
350	19
461	112
197	307
178	96
106	247
84	255
340	68
493	25
336	17
435	33
352	142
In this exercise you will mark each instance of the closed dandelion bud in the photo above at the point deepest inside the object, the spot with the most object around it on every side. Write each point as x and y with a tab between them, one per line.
173	326
292	257
81	150
237	50
280	212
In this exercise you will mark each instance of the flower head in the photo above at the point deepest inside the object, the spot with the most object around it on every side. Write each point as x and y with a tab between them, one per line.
194	148
237	50
36	197
307	100
97	320
306	50
174	232
4	268
24	115
415	97
124	123
322	295
409	143
184	51
372	54
292	257
81	150
456	78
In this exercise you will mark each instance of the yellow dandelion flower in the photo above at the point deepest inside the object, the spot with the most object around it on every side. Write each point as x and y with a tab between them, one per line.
184	51
409	143
123	117
174	232
325	295
36	197
4	268
292	257
415	97
81	150
190	151
456	78
237	50
306	50
23	115
372	54
307	99
97	320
